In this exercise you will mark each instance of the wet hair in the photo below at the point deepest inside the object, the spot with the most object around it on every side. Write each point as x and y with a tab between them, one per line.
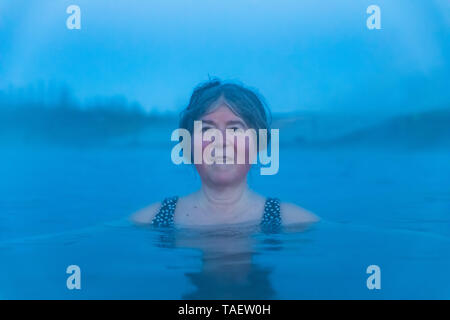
243	101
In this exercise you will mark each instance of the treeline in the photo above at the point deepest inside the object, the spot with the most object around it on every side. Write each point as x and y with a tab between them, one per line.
29	120
420	130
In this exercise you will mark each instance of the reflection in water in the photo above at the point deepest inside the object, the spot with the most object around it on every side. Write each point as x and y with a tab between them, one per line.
227	267
227	278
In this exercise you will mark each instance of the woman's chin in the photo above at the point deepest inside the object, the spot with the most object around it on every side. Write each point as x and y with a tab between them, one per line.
226	173
223	167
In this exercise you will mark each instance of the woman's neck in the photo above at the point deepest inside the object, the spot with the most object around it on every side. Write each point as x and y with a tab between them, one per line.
224	200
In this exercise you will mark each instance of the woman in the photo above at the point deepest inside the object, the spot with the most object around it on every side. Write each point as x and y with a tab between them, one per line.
224	197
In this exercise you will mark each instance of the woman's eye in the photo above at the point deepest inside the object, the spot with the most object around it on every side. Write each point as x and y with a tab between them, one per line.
205	128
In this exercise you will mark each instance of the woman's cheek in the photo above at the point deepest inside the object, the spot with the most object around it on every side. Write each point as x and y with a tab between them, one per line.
200	145
250	150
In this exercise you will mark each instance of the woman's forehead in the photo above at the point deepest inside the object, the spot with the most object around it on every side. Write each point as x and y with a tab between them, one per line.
221	113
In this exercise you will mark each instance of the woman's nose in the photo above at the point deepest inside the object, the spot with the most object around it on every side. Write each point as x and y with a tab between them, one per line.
228	143
227	139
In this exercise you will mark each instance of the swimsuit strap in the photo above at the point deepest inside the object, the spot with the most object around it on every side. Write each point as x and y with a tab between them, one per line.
272	217
164	217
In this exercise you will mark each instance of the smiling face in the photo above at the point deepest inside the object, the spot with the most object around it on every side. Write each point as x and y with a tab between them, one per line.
222	118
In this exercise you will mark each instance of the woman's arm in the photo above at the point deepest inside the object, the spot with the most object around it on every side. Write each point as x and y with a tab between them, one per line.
146	215
293	214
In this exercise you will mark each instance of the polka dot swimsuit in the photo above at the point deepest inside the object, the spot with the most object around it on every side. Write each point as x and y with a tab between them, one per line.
164	218
271	217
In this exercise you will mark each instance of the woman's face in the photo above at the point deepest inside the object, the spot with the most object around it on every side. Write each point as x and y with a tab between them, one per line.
222	118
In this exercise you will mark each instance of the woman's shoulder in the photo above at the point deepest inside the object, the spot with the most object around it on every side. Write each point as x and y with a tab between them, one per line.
146	214
292	214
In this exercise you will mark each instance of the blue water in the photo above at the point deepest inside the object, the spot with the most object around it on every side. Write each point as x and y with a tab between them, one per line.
65	206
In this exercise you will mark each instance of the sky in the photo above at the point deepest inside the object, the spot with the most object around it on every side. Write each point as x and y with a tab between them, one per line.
310	55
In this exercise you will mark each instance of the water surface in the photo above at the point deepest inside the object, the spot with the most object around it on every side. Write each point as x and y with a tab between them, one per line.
60	207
